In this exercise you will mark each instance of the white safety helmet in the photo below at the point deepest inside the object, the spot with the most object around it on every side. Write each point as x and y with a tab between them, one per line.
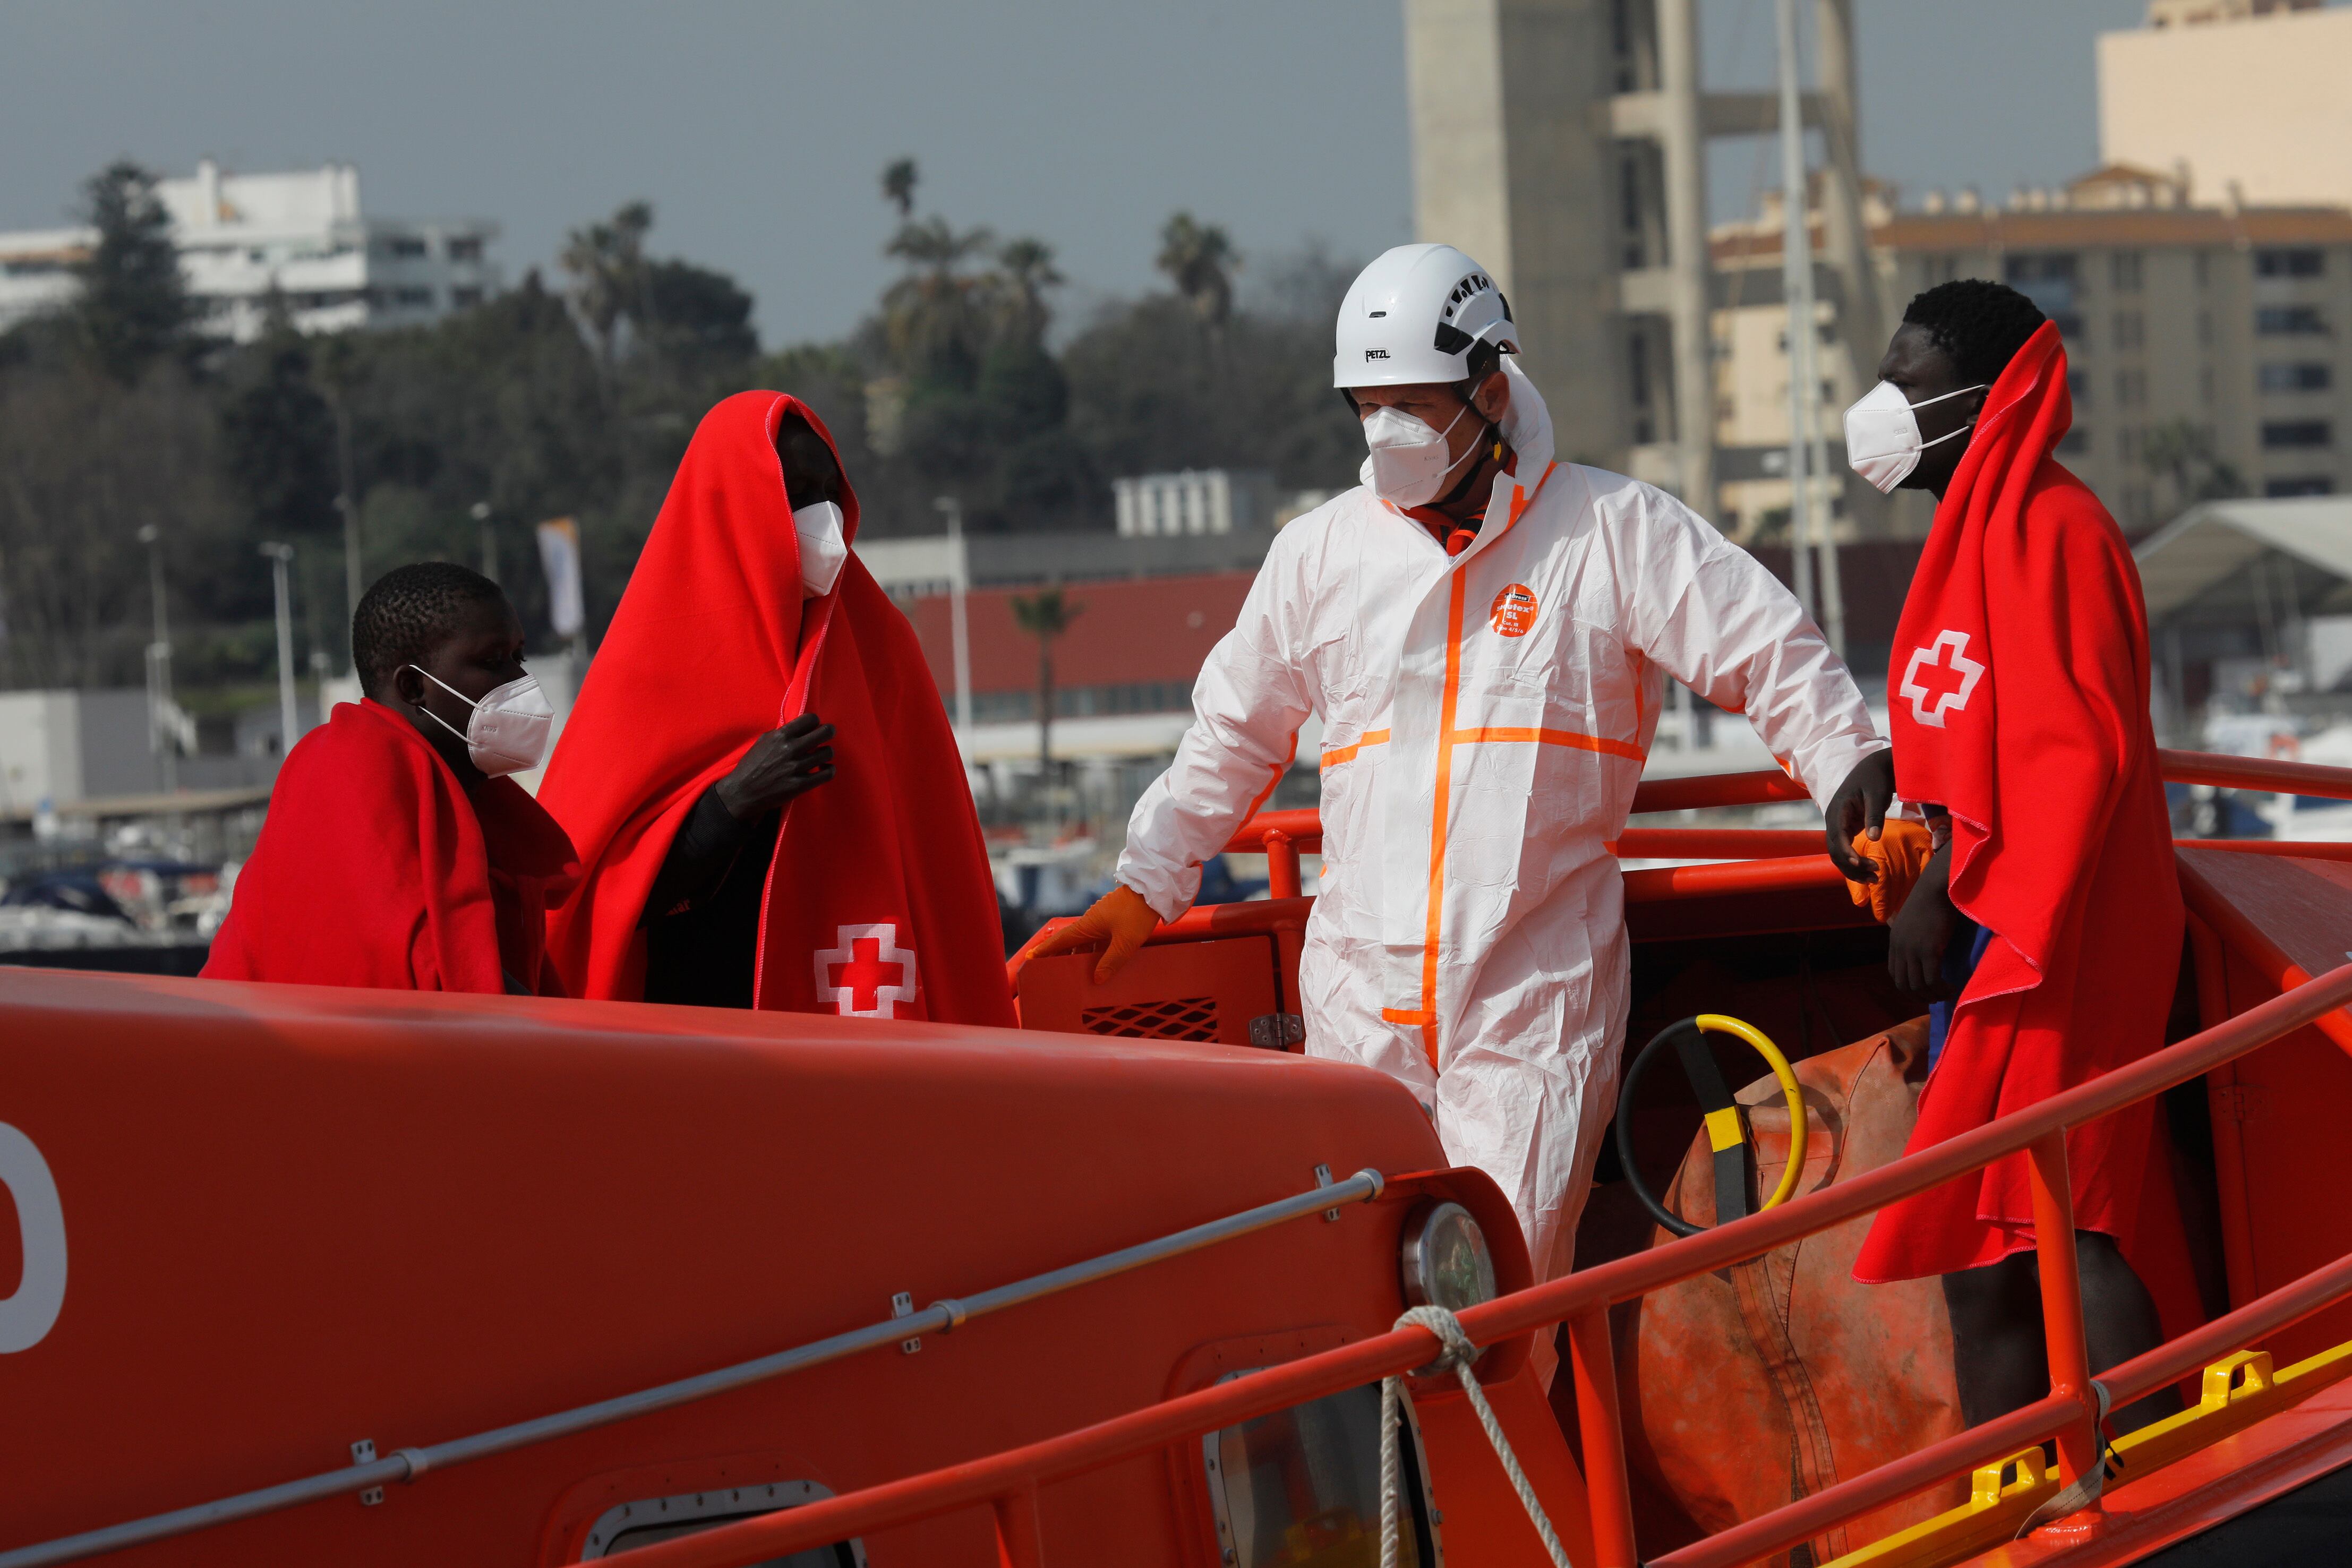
1413	316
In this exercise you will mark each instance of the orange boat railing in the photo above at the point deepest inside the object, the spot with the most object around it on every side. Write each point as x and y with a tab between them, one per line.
1283	836
1009	1482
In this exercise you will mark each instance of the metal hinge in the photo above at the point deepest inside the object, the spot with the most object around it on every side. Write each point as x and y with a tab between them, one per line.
1277	1032
902	1305
364	1453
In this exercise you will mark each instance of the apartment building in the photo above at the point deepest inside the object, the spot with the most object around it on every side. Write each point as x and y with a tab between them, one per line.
2230	324
299	237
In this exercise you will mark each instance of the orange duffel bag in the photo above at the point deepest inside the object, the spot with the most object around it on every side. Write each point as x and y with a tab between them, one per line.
1780	1376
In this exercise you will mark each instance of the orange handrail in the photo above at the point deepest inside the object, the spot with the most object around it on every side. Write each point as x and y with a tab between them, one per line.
1006	1482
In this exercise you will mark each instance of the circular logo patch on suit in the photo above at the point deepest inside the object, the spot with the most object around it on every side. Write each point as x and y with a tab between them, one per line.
1515	611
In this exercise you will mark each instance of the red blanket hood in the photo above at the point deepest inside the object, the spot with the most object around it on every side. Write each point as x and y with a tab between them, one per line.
879	902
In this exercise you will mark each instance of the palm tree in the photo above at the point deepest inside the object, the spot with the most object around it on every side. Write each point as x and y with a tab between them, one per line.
1198	257
898	186
927	314
607	264
1028	268
2182	451
1045	616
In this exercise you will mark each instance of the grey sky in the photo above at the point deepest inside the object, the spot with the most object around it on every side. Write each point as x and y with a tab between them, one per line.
758	129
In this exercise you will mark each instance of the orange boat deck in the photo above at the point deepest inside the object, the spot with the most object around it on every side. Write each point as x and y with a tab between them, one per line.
295	1220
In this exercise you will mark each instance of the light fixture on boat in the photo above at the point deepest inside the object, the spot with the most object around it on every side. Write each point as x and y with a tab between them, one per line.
1446	1263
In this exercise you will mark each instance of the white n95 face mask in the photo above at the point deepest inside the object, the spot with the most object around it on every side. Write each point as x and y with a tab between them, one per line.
508	733
1409	460
1882	434
824	549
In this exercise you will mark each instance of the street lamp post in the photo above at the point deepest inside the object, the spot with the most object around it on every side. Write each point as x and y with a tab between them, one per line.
481	511
1811	532
161	739
959	630
281	558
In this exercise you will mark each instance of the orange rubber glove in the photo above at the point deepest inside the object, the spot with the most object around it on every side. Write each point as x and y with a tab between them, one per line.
1120	921
1900	852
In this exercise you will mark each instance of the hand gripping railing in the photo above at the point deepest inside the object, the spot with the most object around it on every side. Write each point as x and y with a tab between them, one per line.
1009	1482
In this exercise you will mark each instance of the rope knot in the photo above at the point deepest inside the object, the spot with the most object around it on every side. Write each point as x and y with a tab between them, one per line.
1458	1350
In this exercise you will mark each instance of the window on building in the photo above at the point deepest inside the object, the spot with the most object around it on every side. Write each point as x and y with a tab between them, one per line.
2289	321
2131	331
2124	271
412	297
2078	387
2297	263
2295	378
2309	485
2204	270
404	248
464	298
2297	433
2048	278
466	247
2127	442
2205	386
2131	389
2075	442
1629	198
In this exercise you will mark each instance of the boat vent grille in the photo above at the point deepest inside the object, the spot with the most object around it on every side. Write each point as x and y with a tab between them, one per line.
1178	1018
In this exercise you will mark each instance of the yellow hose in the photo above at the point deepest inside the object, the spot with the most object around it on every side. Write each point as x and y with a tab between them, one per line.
1718	1023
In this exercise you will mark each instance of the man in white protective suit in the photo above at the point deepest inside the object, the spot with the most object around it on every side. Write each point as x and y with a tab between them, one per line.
1486	634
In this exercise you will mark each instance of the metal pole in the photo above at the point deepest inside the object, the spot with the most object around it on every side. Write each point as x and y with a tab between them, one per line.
161	739
281	558
1797	289
2061	1297
348	503
481	511
959	629
1688	261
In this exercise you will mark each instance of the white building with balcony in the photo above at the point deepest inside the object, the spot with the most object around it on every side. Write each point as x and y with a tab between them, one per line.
242	237
1195	501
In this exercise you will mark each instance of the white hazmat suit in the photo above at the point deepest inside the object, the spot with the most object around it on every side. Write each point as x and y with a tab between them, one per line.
1485	718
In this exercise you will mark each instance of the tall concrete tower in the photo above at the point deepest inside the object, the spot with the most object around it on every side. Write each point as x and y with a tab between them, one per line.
1562	142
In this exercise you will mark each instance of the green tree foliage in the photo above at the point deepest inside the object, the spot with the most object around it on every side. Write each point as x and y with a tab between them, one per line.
134	306
2182	452
1045	616
579	402
1199	259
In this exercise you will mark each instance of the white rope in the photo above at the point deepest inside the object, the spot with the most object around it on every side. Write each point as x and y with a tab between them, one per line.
1457	1357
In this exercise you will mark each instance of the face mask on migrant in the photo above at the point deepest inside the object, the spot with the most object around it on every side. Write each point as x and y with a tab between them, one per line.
1409	460
508	733
1882	434
824	547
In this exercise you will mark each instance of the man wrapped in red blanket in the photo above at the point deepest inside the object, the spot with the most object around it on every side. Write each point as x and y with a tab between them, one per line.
2019	690
397	852
740	850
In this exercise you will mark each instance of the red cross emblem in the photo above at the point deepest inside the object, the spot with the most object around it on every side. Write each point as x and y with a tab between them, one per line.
868	975
1937	687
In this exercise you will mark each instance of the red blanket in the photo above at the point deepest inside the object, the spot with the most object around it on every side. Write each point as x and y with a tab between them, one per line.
375	869
879	903
2018	685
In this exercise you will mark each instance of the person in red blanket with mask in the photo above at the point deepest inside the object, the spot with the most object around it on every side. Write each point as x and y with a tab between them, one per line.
397	852
739	850
2018	691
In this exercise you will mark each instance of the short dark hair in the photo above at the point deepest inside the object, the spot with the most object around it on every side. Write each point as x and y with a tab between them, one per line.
407	611
1980	324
